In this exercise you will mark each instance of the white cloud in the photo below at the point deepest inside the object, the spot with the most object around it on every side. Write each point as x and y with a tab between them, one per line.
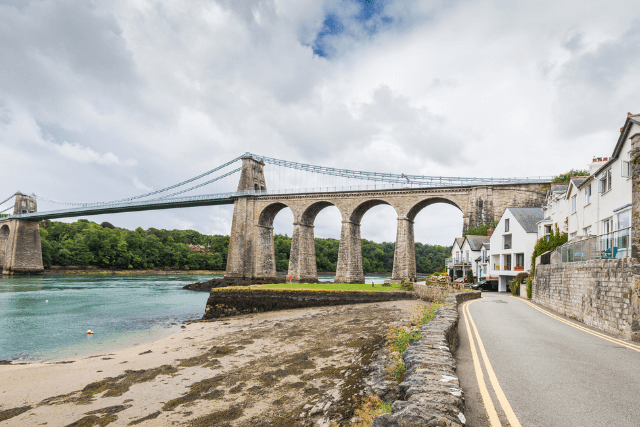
474	88
139	185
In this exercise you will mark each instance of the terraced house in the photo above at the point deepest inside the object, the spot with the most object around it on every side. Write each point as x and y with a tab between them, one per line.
595	211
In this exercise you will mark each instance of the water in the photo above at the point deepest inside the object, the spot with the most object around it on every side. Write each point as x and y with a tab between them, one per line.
121	310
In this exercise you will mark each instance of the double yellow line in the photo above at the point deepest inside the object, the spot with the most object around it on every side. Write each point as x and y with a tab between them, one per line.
584	329
494	421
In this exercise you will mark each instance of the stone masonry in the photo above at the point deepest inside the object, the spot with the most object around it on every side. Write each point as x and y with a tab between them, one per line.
599	293
251	249
20	246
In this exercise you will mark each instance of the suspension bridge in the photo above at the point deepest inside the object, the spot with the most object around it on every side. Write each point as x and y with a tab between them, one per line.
305	189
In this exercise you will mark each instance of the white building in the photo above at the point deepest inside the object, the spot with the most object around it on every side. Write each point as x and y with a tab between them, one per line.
483	261
512	243
598	205
466	254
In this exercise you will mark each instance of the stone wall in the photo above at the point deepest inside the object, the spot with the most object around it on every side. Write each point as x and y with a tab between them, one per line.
431	393
227	302
600	293
433	293
20	247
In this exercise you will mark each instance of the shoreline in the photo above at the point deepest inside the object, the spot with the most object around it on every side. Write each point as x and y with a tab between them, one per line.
256	369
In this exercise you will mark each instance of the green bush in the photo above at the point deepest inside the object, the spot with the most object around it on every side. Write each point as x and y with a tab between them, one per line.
556	238
515	288
529	282
520	278
469	278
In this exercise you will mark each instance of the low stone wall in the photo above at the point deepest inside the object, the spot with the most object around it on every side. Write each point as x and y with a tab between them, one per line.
431	393
227	302
433	293
600	293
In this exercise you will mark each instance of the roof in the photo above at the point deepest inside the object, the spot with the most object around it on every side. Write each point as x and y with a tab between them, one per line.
487	245
628	124
528	218
475	242
459	241
559	188
578	181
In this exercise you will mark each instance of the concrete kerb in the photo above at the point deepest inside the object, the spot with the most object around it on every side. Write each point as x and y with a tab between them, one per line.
431	393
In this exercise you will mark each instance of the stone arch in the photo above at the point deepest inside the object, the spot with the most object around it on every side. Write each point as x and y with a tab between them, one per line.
416	208
264	250
357	214
302	263
4	243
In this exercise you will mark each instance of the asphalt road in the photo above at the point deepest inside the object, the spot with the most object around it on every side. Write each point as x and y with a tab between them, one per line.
550	372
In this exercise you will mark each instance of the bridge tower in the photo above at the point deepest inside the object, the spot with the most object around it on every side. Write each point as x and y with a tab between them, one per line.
20	246
248	239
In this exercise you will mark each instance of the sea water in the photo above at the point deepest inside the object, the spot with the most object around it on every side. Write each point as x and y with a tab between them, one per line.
47	317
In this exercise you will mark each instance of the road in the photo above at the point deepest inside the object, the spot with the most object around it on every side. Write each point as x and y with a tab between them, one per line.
543	369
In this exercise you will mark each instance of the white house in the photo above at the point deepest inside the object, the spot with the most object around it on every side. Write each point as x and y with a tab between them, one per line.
459	261
482	262
597	205
512	243
472	246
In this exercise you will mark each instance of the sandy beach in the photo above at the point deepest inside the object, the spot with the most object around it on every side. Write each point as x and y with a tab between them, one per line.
295	367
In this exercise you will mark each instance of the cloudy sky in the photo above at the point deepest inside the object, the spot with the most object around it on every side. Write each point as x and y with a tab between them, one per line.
101	100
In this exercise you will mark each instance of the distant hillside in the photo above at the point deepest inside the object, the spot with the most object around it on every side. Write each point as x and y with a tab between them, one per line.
84	243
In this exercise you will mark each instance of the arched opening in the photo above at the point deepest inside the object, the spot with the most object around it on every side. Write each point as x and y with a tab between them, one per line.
437	222
304	264
255	187
4	241
378	234
327	226
352	248
275	225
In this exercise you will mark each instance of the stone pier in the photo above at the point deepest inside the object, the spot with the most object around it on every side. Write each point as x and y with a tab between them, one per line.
20	246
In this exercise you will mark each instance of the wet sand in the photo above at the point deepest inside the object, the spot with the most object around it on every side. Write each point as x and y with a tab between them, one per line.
294	367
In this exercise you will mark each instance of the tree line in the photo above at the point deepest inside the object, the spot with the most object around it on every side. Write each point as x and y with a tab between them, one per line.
84	243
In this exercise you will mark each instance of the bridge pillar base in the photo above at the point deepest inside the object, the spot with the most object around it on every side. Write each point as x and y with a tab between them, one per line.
349	268
404	256
20	247
302	261
241	241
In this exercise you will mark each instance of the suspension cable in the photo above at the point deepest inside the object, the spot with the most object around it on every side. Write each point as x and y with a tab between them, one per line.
6	200
151	193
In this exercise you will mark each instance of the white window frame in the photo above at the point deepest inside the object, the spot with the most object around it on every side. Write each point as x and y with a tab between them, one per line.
587	231
587	194
605	181
574	203
506	225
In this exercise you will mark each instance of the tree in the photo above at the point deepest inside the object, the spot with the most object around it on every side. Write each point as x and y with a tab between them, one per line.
565	177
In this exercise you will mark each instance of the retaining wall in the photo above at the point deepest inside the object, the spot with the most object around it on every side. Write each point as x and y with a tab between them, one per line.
600	293
431	393
226	302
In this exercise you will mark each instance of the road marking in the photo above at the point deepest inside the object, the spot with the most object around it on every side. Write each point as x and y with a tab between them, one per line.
502	398
582	328
494	421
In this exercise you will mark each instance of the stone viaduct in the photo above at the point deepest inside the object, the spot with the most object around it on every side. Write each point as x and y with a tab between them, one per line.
251	247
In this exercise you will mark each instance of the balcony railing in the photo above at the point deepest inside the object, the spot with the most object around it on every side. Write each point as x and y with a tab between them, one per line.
613	245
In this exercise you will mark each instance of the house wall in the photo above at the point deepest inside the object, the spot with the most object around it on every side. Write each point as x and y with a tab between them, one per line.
521	242
601	207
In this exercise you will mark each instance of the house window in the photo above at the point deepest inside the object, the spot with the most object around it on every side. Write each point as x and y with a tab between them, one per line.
587	231
607	226
507	262
572	235
587	194
626	169
573	203
506	239
506	225
624	220
547	232
519	262
605	181
606	239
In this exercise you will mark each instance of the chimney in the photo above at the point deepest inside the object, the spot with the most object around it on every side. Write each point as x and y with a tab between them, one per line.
490	231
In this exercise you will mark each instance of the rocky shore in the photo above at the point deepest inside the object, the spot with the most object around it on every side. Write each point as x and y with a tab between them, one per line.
288	368
224	282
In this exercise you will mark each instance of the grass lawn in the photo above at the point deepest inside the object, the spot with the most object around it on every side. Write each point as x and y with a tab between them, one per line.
331	286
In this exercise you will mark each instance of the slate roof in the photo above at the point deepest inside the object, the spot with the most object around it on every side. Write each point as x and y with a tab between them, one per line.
528	218
487	245
475	242
559	188
460	241
579	181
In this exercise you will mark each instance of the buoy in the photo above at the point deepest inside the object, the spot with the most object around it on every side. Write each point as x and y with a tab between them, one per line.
89	332
46	301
